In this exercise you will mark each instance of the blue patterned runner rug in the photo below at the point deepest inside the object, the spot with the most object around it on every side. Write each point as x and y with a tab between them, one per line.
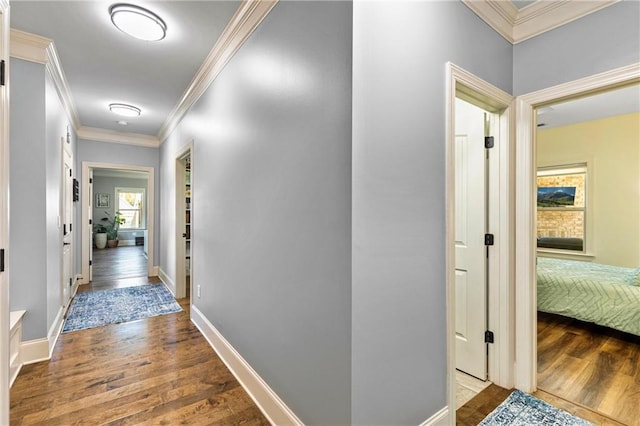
104	307
522	409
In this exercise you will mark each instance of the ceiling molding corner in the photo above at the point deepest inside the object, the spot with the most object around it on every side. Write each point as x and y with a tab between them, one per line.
28	47
543	16
517	26
498	15
113	136
246	19
62	86
42	50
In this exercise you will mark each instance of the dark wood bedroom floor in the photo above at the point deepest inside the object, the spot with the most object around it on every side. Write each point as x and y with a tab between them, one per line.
593	366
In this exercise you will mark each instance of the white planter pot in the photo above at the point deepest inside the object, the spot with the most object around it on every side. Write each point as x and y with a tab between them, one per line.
101	240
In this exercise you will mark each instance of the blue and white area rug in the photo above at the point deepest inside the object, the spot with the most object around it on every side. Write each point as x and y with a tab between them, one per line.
104	307
522	409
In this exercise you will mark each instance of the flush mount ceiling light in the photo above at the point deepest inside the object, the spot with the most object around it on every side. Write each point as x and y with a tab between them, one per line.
138	22
124	110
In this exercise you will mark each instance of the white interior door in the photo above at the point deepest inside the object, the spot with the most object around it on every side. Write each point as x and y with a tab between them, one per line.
470	252
67	227
90	230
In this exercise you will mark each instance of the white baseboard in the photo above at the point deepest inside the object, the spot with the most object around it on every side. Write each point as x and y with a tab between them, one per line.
265	398
440	418
124	243
167	281
35	350
156	271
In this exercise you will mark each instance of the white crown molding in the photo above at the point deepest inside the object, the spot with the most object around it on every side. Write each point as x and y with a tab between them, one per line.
249	15
29	47
112	136
519	25
34	48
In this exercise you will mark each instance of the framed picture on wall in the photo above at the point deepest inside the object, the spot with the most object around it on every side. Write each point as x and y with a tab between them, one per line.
102	200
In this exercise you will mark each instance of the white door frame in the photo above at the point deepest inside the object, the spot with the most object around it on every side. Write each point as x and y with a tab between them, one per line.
525	291
179	170
66	149
501	354
4	216
86	165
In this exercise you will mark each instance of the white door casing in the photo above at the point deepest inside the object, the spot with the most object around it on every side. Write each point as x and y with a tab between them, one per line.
462	84
180	222
90	228
67	224
87	242
4	215
470	222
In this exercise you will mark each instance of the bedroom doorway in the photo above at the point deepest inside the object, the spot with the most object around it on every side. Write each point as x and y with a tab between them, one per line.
591	357
587	328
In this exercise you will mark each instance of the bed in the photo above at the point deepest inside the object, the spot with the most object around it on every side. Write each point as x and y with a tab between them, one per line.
602	294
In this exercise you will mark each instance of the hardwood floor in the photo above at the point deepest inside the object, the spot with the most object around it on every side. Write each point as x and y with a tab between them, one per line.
474	411
594	366
119	263
590	371
159	370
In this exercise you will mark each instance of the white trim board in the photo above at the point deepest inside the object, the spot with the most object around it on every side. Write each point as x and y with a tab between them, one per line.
168	282
525	249
274	409
517	25
37	350
440	418
461	83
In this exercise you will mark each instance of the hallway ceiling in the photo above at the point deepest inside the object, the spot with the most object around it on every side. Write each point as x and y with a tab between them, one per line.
104	65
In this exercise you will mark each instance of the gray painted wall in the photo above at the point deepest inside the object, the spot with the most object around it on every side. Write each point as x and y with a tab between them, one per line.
102	152
28	233
399	293
38	122
599	42
106	184
272	205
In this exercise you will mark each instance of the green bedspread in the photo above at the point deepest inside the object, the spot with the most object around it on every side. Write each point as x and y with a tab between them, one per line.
589	292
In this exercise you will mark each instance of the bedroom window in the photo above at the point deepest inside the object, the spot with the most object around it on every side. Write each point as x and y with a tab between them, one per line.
130	203
562	206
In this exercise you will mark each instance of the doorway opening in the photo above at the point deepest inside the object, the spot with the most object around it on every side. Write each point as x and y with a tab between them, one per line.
588	245
525	245
119	212
469	282
184	191
117	200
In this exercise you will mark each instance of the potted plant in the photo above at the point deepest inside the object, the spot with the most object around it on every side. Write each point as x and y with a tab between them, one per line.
100	235
113	223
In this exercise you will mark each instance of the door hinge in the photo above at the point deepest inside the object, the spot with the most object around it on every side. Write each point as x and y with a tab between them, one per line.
71	227
64	229
2	64
1	260
70	282
488	239
70	172
488	336
90	222
90	262
90	180
488	142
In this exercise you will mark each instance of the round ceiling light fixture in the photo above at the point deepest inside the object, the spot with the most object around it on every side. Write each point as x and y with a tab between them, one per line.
124	110
138	22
